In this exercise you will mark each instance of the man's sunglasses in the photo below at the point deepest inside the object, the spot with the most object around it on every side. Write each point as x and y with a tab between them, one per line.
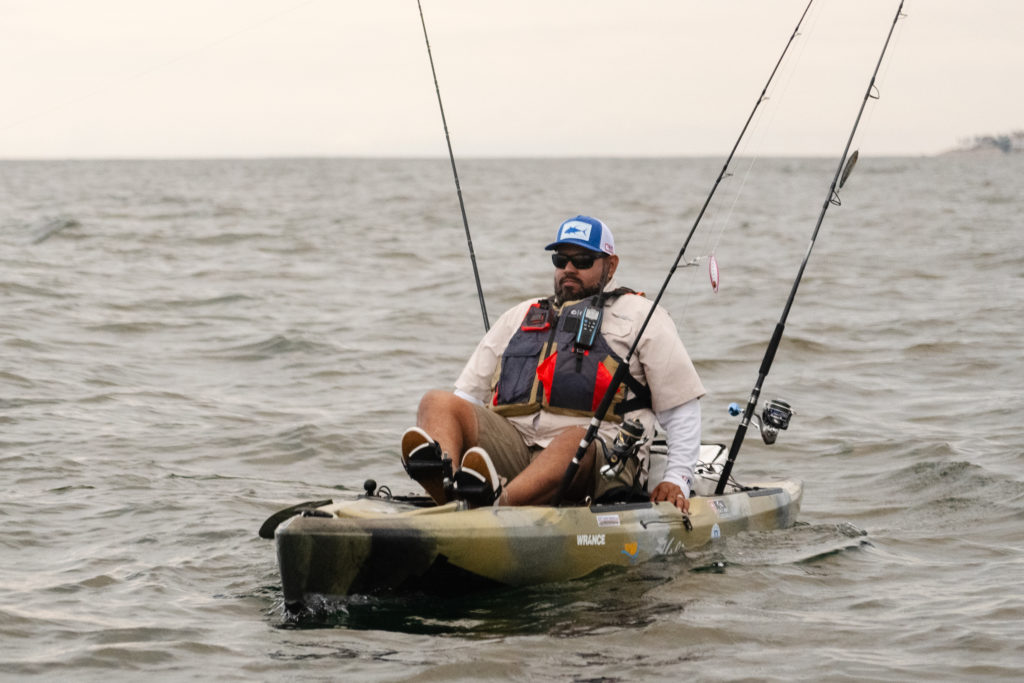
579	261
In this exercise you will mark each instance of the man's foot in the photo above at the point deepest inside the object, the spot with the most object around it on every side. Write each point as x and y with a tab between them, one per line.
423	460
477	481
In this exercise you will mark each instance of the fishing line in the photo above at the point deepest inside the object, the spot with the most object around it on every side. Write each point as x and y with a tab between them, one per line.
832	198
455	172
869	117
623	367
761	125
721	220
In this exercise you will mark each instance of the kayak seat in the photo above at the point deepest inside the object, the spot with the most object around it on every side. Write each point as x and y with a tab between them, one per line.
622	494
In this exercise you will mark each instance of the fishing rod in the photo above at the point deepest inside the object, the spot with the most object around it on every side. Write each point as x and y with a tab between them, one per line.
455	172
842	173
623	368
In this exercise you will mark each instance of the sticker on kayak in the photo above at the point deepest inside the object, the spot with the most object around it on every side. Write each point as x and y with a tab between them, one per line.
589	539
608	520
631	550
720	507
715	531
670	546
713	272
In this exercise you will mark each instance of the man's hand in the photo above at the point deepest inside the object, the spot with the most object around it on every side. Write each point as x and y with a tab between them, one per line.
672	493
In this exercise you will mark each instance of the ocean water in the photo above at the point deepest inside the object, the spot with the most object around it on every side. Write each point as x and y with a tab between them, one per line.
189	346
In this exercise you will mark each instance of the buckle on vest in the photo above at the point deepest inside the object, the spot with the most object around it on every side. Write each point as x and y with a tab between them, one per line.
537	318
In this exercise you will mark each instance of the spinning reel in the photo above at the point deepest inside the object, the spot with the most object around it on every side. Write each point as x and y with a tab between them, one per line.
627	443
774	418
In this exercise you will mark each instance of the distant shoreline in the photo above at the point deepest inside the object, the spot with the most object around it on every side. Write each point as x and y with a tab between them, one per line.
1010	143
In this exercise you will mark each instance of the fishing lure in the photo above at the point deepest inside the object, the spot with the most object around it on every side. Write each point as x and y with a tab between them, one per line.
713	272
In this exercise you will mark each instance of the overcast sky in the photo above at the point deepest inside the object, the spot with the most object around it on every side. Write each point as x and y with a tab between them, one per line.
226	78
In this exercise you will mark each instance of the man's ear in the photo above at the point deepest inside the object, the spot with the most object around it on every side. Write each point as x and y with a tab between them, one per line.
613	264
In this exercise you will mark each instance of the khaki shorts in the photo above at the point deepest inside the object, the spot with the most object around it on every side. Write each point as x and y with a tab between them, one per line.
511	455
502	441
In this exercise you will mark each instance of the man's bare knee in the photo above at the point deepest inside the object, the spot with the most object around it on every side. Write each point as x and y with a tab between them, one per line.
443	410
438	402
435	398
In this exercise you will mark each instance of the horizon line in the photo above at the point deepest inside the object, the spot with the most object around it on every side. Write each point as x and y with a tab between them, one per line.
481	157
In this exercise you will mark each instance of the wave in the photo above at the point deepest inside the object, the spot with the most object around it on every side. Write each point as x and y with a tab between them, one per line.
51	227
184	302
276	345
15	288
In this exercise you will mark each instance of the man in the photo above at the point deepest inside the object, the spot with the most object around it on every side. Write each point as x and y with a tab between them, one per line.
522	403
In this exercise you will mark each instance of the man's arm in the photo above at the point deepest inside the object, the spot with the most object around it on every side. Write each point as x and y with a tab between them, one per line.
682	427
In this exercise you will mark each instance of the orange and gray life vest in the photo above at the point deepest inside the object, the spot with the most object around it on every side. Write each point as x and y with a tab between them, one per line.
545	367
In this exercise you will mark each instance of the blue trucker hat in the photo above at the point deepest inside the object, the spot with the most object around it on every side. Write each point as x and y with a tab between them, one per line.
587	232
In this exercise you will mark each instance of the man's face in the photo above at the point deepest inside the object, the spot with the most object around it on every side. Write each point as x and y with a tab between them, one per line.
574	282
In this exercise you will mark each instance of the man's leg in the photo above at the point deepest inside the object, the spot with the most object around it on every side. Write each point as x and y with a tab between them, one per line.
455	424
449	420
538	483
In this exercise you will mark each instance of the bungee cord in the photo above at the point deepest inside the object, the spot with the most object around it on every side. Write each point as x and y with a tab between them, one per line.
843	169
455	172
623	367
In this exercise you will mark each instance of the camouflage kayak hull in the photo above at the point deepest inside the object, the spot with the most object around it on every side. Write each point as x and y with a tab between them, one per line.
372	544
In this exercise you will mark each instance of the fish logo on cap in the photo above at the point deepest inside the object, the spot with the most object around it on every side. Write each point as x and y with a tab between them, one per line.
577	229
586	232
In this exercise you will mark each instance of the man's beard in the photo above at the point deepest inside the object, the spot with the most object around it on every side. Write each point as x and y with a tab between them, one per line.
563	294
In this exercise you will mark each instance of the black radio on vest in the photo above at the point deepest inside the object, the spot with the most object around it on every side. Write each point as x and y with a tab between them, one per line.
590	323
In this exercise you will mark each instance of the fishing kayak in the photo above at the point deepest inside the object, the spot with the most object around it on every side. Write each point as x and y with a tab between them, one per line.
379	543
